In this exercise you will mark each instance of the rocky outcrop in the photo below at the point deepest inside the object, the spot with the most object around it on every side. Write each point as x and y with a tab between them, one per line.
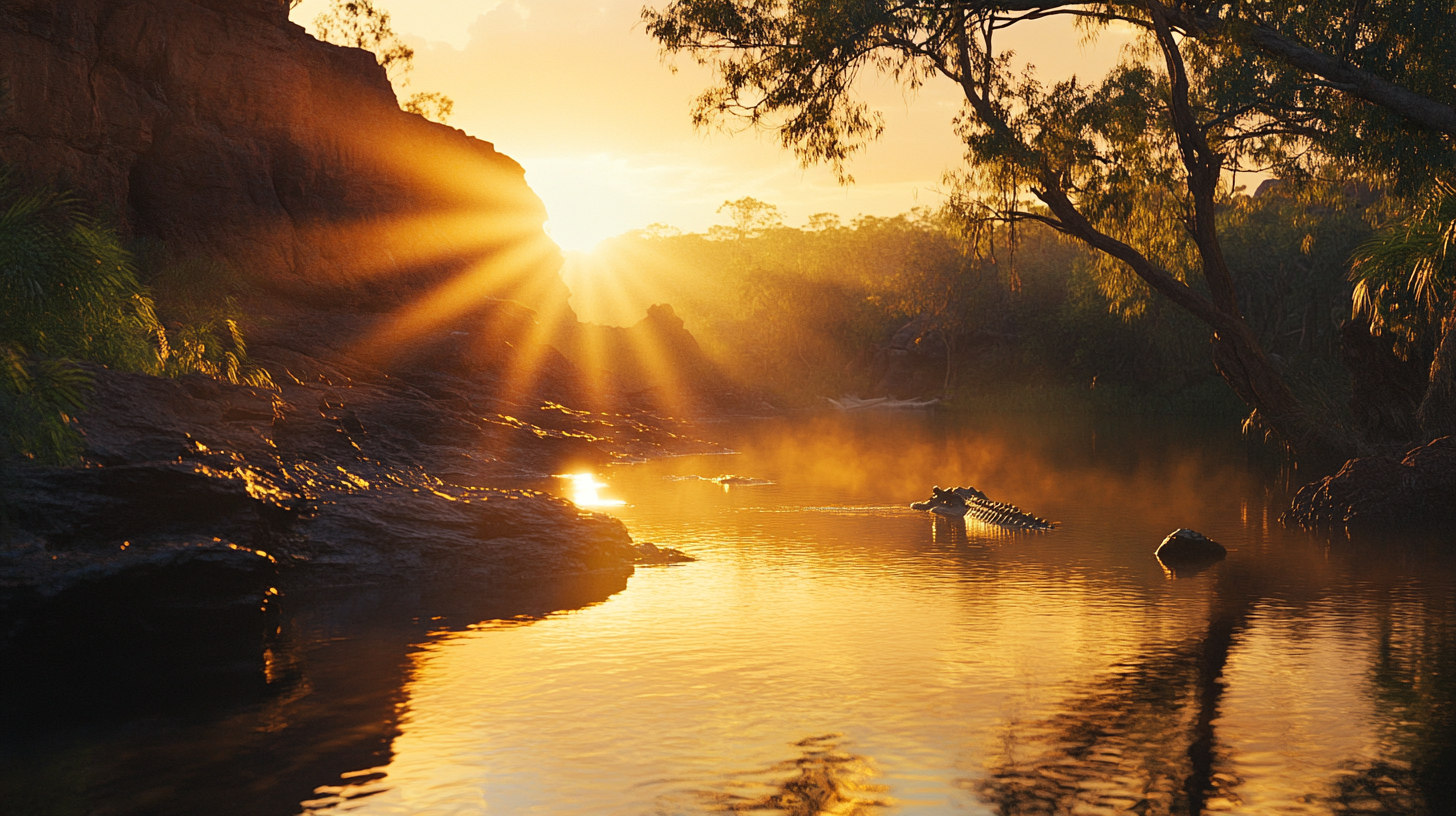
223	129
364	467
655	364
410	414
1418	489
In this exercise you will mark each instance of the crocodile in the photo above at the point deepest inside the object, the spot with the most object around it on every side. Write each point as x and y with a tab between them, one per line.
959	502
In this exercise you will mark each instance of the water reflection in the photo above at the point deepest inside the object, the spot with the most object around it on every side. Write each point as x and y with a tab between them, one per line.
585	491
1187	569
1139	738
825	781
969	668
1413	688
315	723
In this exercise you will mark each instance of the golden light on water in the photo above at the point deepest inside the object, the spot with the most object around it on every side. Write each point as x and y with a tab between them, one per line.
584	491
971	670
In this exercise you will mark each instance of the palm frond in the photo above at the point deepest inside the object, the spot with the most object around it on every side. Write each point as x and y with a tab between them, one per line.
1405	273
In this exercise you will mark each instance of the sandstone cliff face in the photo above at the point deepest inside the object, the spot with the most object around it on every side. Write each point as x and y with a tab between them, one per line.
221	128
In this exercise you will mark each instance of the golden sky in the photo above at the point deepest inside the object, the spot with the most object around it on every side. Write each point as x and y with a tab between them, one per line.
576	92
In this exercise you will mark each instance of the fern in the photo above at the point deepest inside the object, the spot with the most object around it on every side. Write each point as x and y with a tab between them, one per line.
37	403
68	287
70	290
200	332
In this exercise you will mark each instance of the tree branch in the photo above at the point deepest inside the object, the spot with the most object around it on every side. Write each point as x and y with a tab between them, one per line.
1339	73
1202	163
1357	82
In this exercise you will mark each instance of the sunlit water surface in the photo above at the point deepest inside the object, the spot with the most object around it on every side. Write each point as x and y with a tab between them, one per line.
833	652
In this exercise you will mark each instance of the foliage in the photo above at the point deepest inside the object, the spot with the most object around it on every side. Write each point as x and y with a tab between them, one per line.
37	401
1404	288
71	290
1016	315
68	287
1133	164
431	105
1290	249
197	301
802	312
1285	83
1359	91
1406	272
787	309
361	24
751	218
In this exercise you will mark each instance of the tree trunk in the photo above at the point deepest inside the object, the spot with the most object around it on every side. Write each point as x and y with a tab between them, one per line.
1385	391
949	357
1437	413
1237	352
1247	369
1238	355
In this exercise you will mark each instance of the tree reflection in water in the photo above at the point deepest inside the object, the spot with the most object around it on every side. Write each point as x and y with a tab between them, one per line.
825	780
1142	737
1139	739
1413	682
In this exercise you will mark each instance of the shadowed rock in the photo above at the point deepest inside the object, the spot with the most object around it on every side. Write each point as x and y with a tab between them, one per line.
1186	550
1418	489
226	130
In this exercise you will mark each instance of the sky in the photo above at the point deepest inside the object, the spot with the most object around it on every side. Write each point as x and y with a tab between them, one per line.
577	93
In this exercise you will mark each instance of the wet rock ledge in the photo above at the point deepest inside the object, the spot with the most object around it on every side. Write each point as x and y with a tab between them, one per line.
1418	489
406	471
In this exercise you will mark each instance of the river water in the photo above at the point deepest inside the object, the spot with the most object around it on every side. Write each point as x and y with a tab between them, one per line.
830	651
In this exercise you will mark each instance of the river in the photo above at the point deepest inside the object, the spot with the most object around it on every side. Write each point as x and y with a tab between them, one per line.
831	651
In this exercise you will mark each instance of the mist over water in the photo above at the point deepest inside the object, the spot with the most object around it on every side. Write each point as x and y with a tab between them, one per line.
831	651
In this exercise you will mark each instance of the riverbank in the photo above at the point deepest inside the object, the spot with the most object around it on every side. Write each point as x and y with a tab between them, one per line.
363	468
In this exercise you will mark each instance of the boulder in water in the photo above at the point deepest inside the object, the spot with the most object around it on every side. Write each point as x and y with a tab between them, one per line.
1185	547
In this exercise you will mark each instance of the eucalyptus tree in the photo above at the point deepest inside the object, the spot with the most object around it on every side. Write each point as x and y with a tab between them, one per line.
751	219
1133	164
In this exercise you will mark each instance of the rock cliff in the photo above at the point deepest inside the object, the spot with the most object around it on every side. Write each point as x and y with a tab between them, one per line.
225	131
221	128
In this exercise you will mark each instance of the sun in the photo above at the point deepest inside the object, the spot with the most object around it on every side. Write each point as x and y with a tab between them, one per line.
469	259
584	487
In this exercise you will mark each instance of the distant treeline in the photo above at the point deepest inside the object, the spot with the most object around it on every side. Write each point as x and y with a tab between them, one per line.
997	316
